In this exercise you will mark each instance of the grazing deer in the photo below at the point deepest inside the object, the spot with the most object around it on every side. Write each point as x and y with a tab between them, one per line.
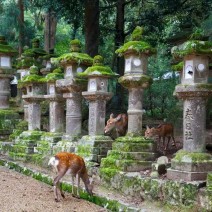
69	163
120	124
163	130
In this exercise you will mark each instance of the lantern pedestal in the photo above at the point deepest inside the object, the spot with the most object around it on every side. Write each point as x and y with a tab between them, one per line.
94	147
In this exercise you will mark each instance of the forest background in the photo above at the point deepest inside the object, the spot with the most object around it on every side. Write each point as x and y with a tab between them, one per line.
103	26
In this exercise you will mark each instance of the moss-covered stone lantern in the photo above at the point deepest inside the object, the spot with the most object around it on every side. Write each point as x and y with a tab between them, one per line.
97	95
132	152
35	90
6	72
71	87
56	105
193	163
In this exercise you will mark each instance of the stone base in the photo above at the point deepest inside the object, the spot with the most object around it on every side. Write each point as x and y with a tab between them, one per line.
186	175
190	166
73	138
130	154
94	148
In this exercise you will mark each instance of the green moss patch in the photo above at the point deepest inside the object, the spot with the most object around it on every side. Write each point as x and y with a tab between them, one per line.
192	47
97	71
178	67
137	47
141	80
184	156
74	57
32	78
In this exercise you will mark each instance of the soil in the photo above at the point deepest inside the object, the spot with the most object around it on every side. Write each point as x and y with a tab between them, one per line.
25	194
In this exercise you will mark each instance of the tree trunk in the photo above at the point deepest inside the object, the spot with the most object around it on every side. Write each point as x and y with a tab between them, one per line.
119	61
119	34
21	26
91	27
50	30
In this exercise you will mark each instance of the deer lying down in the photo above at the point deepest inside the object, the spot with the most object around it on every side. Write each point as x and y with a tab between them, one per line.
163	130
120	124
69	163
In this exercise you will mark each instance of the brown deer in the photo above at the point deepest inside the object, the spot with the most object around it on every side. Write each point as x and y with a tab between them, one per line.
120	124
163	130
69	163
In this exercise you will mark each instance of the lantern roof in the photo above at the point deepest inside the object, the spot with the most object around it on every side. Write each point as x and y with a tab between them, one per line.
5	48
136	44
75	56
194	46
98	69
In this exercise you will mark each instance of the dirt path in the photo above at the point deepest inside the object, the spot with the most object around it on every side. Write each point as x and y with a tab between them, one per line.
21	193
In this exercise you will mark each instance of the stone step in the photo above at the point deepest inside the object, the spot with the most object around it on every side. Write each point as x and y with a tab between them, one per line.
134	147
125	165
144	156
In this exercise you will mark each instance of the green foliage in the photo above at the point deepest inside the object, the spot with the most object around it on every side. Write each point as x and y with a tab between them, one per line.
159	101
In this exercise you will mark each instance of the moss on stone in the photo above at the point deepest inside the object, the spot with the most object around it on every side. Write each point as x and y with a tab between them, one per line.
5	48
97	71
136	139
192	47
75	42
178	67
141	80
52	77
73	57
137	33
28	79
136	46
184	156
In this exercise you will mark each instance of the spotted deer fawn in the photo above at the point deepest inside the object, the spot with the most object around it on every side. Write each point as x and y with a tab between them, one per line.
120	124
69	163
163	130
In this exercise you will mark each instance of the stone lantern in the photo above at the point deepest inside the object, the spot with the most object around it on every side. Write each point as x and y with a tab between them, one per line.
6	72
30	56
56	105
95	146
71	87
133	152
192	163
35	90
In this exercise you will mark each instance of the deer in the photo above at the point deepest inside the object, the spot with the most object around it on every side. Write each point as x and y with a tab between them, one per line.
69	163
162	130
120	124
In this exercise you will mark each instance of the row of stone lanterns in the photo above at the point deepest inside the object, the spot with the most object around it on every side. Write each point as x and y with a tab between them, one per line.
132	152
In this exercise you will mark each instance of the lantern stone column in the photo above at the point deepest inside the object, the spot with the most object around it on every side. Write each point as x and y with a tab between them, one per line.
71	87
132	152
95	145
193	163
6	72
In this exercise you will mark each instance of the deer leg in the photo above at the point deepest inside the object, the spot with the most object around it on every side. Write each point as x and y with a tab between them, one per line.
167	143
159	145
174	143
61	191
56	184
78	184
72	181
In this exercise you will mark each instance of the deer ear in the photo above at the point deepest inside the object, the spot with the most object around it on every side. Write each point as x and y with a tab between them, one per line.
118	117
111	115
147	127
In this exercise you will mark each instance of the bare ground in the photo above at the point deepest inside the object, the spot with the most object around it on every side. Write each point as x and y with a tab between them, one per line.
22	193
